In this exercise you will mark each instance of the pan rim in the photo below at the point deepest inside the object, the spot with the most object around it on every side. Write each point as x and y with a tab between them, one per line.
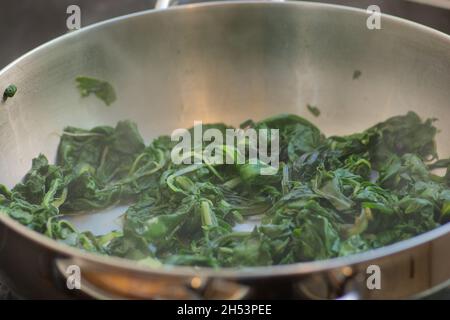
298	268
227	272
305	4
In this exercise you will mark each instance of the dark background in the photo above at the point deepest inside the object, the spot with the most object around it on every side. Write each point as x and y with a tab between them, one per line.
25	24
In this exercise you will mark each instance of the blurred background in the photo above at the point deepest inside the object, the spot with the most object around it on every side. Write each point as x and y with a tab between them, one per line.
25	24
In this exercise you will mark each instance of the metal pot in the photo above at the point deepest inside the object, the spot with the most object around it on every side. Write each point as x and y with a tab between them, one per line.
225	62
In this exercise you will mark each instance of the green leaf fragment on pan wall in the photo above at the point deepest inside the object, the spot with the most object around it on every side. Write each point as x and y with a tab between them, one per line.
9	92
314	110
102	89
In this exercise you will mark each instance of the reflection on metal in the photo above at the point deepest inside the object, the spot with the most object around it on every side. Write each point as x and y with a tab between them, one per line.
437	3
163	4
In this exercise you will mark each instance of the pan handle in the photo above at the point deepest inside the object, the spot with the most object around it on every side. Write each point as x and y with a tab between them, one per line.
164	4
111	283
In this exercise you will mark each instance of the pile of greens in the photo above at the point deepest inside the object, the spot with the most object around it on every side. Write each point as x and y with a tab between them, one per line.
331	197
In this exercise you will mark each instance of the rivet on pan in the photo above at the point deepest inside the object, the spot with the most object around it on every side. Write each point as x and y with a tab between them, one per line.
347	271
196	282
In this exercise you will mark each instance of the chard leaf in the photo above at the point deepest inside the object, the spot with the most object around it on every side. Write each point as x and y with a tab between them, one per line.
102	89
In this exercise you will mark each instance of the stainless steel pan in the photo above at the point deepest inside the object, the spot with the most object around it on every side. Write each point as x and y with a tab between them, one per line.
224	62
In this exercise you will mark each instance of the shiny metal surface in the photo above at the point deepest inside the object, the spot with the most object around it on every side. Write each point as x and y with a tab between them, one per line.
228	62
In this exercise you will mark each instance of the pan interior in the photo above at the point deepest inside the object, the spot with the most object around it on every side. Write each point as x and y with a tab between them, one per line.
224	64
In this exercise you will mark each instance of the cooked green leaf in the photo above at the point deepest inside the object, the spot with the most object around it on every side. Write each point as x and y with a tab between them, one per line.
332	196
102	89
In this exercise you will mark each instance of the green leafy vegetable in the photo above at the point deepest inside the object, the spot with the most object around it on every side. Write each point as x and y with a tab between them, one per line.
102	89
314	110
356	74
333	196
9	92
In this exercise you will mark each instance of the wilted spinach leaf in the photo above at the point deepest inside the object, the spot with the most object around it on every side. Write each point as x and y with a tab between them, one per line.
102	89
9	92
